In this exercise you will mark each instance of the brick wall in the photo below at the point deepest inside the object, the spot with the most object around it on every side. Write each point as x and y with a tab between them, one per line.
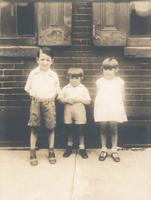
14	103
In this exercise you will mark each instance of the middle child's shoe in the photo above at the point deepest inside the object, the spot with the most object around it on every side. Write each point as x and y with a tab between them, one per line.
83	153
67	152
51	157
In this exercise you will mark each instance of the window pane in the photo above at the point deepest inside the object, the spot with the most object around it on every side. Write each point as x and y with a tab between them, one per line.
17	19
7	19
140	18
25	19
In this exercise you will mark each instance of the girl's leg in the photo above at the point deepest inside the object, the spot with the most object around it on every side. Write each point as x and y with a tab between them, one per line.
33	141
80	129
69	146
103	136
51	142
114	135
114	140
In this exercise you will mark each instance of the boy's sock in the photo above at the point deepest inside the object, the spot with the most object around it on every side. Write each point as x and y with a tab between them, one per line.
51	156
33	157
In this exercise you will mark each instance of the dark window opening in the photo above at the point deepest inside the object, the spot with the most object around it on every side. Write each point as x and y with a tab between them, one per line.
17	20
139	25
25	19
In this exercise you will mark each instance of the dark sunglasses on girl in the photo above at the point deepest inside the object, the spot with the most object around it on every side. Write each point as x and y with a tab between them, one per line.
109	67
76	76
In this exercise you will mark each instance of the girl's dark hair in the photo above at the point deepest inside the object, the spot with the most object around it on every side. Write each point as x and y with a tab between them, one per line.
47	51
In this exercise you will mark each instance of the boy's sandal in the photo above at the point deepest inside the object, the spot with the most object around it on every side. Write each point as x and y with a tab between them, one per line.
34	161
115	157
52	157
103	155
33	158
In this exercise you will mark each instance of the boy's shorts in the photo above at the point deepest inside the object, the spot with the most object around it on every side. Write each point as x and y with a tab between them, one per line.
42	109
75	113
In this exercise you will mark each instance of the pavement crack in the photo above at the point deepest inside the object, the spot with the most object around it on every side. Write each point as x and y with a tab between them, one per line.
74	175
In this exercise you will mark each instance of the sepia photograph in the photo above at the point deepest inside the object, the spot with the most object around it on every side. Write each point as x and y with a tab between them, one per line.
75	99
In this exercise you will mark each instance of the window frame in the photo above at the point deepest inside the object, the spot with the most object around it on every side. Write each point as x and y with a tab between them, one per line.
20	39
137	45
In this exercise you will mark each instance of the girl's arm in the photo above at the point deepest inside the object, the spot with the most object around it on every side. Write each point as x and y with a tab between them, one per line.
123	92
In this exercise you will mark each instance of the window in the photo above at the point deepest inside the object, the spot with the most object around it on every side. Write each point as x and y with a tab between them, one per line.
136	21
17	23
35	22
54	23
139	37
124	23
110	22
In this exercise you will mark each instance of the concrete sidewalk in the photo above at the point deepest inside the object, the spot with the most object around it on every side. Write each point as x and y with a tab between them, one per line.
74	178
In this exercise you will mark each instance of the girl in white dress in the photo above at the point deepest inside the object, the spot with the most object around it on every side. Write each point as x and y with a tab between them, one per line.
109	107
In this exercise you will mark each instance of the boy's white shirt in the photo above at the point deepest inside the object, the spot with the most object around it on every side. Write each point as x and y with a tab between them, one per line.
42	84
77	92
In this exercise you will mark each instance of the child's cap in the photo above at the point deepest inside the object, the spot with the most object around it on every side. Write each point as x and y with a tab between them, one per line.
75	71
112	62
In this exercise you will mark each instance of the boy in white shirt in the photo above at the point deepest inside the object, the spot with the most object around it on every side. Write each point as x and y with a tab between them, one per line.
75	96
43	86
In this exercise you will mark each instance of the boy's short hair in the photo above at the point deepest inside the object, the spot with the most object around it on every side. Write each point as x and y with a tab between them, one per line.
47	51
75	72
110	62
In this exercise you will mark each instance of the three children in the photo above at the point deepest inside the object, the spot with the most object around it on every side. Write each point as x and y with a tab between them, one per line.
43	87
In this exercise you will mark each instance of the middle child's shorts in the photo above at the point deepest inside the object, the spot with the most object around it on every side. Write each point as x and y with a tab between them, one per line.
75	113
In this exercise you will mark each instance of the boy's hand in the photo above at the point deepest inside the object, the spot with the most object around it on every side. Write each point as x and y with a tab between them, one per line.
81	100
70	101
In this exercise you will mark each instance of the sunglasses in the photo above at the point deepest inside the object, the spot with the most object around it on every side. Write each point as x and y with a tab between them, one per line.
109	67
76	76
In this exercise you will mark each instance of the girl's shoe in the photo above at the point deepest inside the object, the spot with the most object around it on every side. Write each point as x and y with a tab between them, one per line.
115	156
51	157
83	153
103	155
67	152
33	158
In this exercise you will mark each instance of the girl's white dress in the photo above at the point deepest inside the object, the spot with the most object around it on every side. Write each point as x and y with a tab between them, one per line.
109	104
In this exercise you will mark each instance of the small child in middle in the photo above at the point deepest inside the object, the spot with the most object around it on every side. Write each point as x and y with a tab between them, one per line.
75	96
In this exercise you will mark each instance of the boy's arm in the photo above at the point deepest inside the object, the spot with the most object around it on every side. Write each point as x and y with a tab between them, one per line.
58	89
27	87
84	99
65	99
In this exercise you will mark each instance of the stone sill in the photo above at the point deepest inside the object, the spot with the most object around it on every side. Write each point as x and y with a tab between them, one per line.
138	52
18	51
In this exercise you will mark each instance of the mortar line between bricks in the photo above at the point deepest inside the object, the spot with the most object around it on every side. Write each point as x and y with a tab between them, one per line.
74	175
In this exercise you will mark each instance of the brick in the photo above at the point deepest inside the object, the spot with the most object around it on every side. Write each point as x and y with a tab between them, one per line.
14	72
